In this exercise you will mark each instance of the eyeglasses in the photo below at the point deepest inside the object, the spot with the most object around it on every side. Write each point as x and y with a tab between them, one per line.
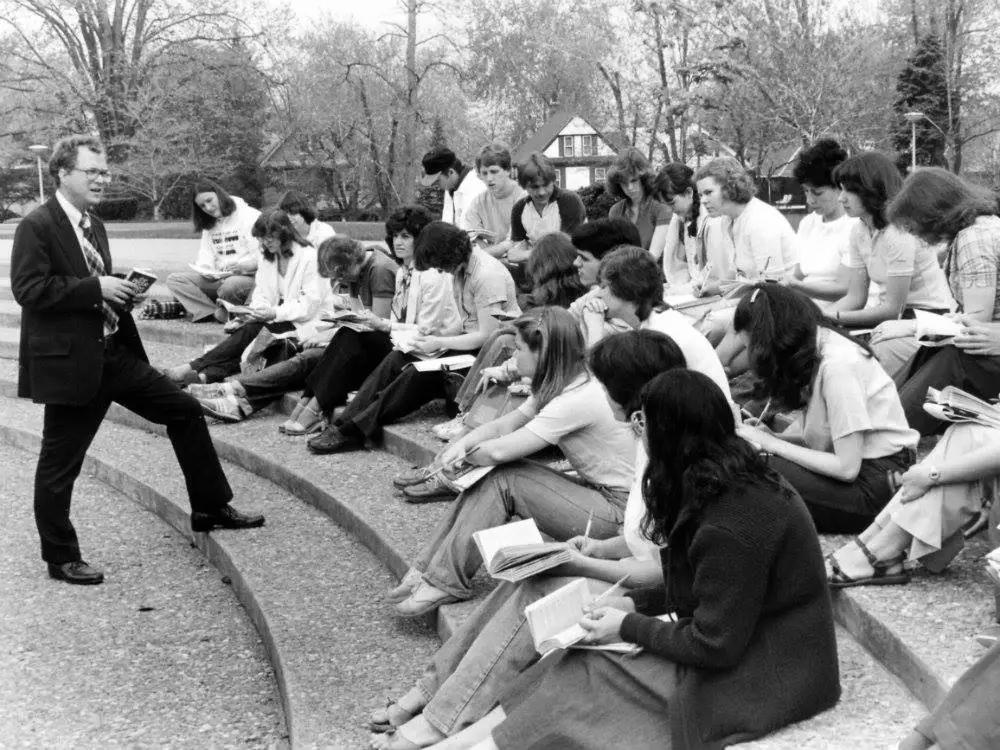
94	174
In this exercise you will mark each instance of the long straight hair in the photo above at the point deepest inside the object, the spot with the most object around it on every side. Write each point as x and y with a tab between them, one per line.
199	218
874	179
552	334
276	223
936	205
695	456
555	279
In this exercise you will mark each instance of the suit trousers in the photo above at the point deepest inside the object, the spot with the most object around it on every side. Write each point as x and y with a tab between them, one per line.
69	430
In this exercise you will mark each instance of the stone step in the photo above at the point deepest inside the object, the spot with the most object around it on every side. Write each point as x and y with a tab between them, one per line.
309	587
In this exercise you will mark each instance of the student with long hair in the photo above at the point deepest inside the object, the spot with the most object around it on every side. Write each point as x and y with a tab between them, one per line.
938	206
287	289
492	646
632	181
304	218
824	234
904	268
552	269
567	409
227	253
852	436
743	575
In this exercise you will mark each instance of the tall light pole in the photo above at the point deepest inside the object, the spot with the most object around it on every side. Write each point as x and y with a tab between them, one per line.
39	149
913	118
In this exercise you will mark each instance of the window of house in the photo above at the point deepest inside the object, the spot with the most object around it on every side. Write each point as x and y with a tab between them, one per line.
568	145
600	174
587	148
558	178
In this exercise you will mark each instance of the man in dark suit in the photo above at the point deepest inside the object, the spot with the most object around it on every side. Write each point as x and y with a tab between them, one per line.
80	351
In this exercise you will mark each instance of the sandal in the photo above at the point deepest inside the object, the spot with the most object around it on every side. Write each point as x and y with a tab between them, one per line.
838	579
381	722
293	418
298	428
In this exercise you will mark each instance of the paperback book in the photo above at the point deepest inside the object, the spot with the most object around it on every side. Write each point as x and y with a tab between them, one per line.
516	551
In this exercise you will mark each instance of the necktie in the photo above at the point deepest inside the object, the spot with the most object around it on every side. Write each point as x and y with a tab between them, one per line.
401	296
95	264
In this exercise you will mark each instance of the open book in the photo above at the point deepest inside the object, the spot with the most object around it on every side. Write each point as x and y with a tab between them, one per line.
934	329
347	319
453	362
554	621
210	273
952	404
516	551
142	278
402	339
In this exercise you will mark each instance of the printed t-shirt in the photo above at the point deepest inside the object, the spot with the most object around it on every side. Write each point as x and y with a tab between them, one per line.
852	393
581	423
893	252
231	239
485	283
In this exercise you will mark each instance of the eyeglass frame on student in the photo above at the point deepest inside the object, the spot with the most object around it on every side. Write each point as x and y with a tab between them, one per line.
94	174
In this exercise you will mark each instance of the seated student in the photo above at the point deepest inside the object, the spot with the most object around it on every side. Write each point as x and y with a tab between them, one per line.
742	572
567	409
492	646
287	289
937	498
227	248
482	288
904	268
459	184
552	269
851	436
938	206
698	252
487	218
824	234
494	363
629	297
328	369
303	217
764	244
632	181
546	208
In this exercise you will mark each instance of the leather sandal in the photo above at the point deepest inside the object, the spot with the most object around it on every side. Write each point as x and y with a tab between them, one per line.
299	428
880	576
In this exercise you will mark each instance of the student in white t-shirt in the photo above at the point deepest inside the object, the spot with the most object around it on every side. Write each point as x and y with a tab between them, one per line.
567	409
487	218
823	235
903	267
469	672
852	433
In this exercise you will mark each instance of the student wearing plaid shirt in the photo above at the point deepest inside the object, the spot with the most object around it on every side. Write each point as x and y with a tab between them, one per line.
938	206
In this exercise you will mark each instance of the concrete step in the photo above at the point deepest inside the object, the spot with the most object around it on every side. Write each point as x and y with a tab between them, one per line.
309	587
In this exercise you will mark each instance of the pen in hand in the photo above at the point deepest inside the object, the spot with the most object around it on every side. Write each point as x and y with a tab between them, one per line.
590	520
619	584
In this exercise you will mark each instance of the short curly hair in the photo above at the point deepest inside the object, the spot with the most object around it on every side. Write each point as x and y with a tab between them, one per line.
410	218
66	150
737	185
816	164
535	166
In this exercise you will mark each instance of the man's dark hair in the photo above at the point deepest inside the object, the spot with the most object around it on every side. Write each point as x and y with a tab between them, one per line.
633	276
625	362
294	202
534	167
602	236
411	218
874	179
442	246
66	150
494	154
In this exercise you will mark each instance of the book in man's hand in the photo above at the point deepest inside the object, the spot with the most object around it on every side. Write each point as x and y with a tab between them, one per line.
952	404
554	621
516	551
935	330
142	279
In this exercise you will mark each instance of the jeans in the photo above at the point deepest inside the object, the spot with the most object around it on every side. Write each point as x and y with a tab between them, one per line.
198	294
560	506
840	507
223	359
469	672
275	381
345	364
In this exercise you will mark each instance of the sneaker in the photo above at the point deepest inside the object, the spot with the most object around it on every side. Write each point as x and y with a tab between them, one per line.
416	475
432	491
451	430
211	390
226	409
424	598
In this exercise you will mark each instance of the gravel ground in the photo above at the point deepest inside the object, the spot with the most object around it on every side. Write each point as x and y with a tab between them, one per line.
161	655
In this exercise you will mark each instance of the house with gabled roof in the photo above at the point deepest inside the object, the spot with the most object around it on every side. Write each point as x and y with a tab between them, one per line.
580	152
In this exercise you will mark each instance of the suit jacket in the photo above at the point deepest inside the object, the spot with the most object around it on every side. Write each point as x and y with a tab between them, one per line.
62	330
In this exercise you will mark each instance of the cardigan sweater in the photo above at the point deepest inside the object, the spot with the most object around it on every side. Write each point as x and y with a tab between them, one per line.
303	288
754	642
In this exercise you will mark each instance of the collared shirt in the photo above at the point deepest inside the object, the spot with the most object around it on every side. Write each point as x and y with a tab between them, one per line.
563	213
485	283
75	216
457	201
652	214
973	260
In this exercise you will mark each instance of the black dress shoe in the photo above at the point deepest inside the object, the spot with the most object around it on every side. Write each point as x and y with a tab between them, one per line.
332	440
226	517
77	572
431	491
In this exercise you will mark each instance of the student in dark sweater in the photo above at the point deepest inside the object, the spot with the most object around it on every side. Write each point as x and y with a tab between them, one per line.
753	646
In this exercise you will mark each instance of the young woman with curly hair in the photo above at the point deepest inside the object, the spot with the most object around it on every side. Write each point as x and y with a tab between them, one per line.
632	181
851	437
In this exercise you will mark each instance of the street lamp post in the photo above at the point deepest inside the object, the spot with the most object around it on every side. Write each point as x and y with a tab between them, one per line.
913	118
39	150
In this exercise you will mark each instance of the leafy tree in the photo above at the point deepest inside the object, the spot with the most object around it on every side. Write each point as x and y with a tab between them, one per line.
922	87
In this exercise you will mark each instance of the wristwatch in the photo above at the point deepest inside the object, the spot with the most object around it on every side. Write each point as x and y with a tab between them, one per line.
934	475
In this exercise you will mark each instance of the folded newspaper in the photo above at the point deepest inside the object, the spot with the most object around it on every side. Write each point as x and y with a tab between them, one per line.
952	404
